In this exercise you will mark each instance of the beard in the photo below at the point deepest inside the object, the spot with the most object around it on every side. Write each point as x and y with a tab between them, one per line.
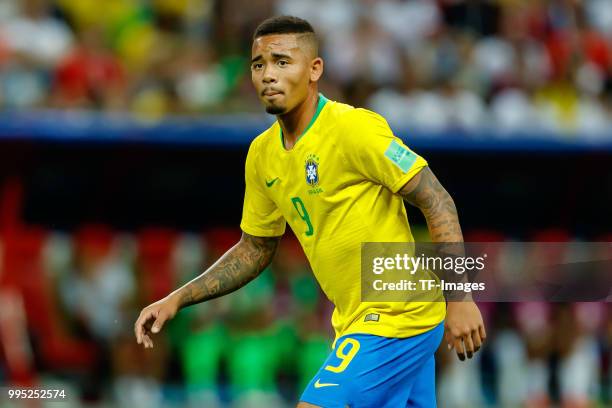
275	110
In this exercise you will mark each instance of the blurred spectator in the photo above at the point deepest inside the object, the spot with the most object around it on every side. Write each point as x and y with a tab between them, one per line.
262	344
580	368
34	43
201	82
91	76
446	65
35	35
100	287
512	66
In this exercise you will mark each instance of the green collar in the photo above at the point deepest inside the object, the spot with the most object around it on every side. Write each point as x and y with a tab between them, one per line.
322	101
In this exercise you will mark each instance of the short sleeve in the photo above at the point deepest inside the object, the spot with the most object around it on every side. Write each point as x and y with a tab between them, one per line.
260	215
373	151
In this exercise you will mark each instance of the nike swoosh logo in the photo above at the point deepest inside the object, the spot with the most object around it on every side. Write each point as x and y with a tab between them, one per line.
319	384
269	183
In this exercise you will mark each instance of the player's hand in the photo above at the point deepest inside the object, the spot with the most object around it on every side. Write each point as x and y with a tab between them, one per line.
152	319
464	329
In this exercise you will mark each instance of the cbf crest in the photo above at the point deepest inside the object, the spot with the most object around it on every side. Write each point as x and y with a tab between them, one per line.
312	170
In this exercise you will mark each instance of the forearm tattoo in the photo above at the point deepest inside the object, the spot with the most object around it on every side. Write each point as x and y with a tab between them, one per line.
237	267
436	204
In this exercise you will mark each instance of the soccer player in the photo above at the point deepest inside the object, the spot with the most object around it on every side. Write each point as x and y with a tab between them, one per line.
339	177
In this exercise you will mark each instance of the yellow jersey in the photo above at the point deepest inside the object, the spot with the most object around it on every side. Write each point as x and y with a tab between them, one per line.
337	187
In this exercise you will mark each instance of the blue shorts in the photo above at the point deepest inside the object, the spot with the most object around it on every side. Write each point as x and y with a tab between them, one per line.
365	370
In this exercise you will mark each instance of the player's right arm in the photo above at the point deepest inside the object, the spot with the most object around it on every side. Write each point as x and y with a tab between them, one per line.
237	267
262	225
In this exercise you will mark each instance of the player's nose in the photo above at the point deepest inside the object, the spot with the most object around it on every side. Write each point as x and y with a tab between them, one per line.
269	76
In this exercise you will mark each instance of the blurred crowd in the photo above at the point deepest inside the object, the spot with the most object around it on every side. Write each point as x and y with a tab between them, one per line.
69	302
509	65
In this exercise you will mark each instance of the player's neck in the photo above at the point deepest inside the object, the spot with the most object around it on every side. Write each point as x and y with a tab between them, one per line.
294	123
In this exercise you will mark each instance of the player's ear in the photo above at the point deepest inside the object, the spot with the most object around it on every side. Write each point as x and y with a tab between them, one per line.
316	69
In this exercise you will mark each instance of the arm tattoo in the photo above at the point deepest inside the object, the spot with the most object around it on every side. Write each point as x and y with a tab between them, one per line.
237	267
425	192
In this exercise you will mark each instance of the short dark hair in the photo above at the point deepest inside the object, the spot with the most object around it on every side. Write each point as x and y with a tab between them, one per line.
283	25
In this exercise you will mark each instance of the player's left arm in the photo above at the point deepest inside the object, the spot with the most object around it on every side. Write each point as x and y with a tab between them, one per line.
463	324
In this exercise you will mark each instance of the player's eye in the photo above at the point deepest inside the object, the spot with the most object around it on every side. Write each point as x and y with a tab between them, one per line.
282	63
257	66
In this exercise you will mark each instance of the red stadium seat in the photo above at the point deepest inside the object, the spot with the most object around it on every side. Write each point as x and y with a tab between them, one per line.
155	263
551	235
24	271
94	239
490	243
15	351
551	254
219	240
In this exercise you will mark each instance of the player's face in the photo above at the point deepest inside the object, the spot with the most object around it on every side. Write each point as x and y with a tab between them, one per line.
281	70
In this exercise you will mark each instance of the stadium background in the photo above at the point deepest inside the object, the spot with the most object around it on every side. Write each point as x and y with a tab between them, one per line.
123	132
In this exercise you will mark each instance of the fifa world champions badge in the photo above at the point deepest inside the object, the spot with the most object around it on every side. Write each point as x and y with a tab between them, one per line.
312	170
